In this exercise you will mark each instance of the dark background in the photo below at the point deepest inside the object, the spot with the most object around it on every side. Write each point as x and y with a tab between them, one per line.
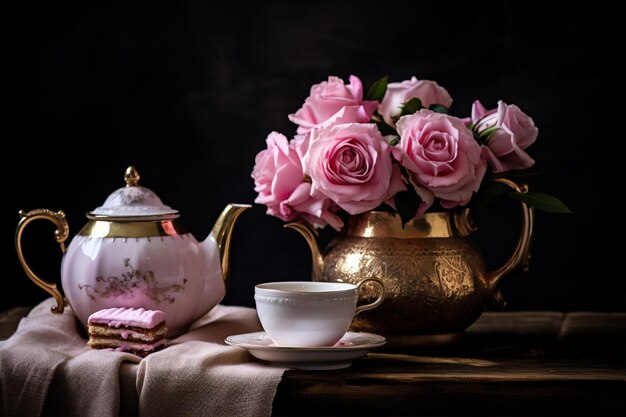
188	92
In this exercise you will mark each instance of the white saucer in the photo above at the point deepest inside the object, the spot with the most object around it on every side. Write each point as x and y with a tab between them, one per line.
351	346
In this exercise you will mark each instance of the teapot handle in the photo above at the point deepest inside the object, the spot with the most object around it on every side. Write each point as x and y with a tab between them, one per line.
521	255
60	236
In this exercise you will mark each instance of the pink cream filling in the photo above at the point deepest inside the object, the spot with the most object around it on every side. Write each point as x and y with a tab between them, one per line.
140	346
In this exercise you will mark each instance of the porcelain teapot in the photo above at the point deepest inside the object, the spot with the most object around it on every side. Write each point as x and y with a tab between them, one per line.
134	252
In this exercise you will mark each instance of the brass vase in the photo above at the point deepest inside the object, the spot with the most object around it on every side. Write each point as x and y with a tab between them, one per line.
435	278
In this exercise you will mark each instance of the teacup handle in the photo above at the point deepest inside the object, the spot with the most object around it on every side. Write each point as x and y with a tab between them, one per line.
378	283
60	235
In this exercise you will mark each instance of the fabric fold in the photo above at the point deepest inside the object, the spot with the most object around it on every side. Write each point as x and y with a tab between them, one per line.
46	367
208	377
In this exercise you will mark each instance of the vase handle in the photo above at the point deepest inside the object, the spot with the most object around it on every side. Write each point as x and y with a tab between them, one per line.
521	255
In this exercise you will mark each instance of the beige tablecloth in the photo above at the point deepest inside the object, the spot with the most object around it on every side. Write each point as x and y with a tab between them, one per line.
47	368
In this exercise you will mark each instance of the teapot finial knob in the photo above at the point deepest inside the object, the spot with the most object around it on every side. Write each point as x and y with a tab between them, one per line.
131	176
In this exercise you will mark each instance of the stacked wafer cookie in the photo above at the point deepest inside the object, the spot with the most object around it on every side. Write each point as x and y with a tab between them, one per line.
133	330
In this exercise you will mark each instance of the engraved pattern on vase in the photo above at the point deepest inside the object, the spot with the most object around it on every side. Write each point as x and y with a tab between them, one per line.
432	284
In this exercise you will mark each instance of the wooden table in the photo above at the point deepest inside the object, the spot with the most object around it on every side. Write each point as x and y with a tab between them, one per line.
520	363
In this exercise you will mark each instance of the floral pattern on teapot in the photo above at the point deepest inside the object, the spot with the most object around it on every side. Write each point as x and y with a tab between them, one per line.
131	281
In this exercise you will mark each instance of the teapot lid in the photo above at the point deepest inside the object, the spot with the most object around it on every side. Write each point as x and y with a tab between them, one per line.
133	202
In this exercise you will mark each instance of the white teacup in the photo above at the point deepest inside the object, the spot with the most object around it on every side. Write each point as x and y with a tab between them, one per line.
304	313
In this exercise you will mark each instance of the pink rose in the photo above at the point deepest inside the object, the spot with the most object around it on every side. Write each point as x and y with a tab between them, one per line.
429	92
328	98
441	153
516	132
280	182
301	141
351	164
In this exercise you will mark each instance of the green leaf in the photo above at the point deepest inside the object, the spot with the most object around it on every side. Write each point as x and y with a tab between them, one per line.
484	136
385	129
541	201
438	108
411	106
378	89
407	203
393	140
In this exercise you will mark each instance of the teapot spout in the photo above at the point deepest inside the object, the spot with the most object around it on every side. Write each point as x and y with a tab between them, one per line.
222	232
310	235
